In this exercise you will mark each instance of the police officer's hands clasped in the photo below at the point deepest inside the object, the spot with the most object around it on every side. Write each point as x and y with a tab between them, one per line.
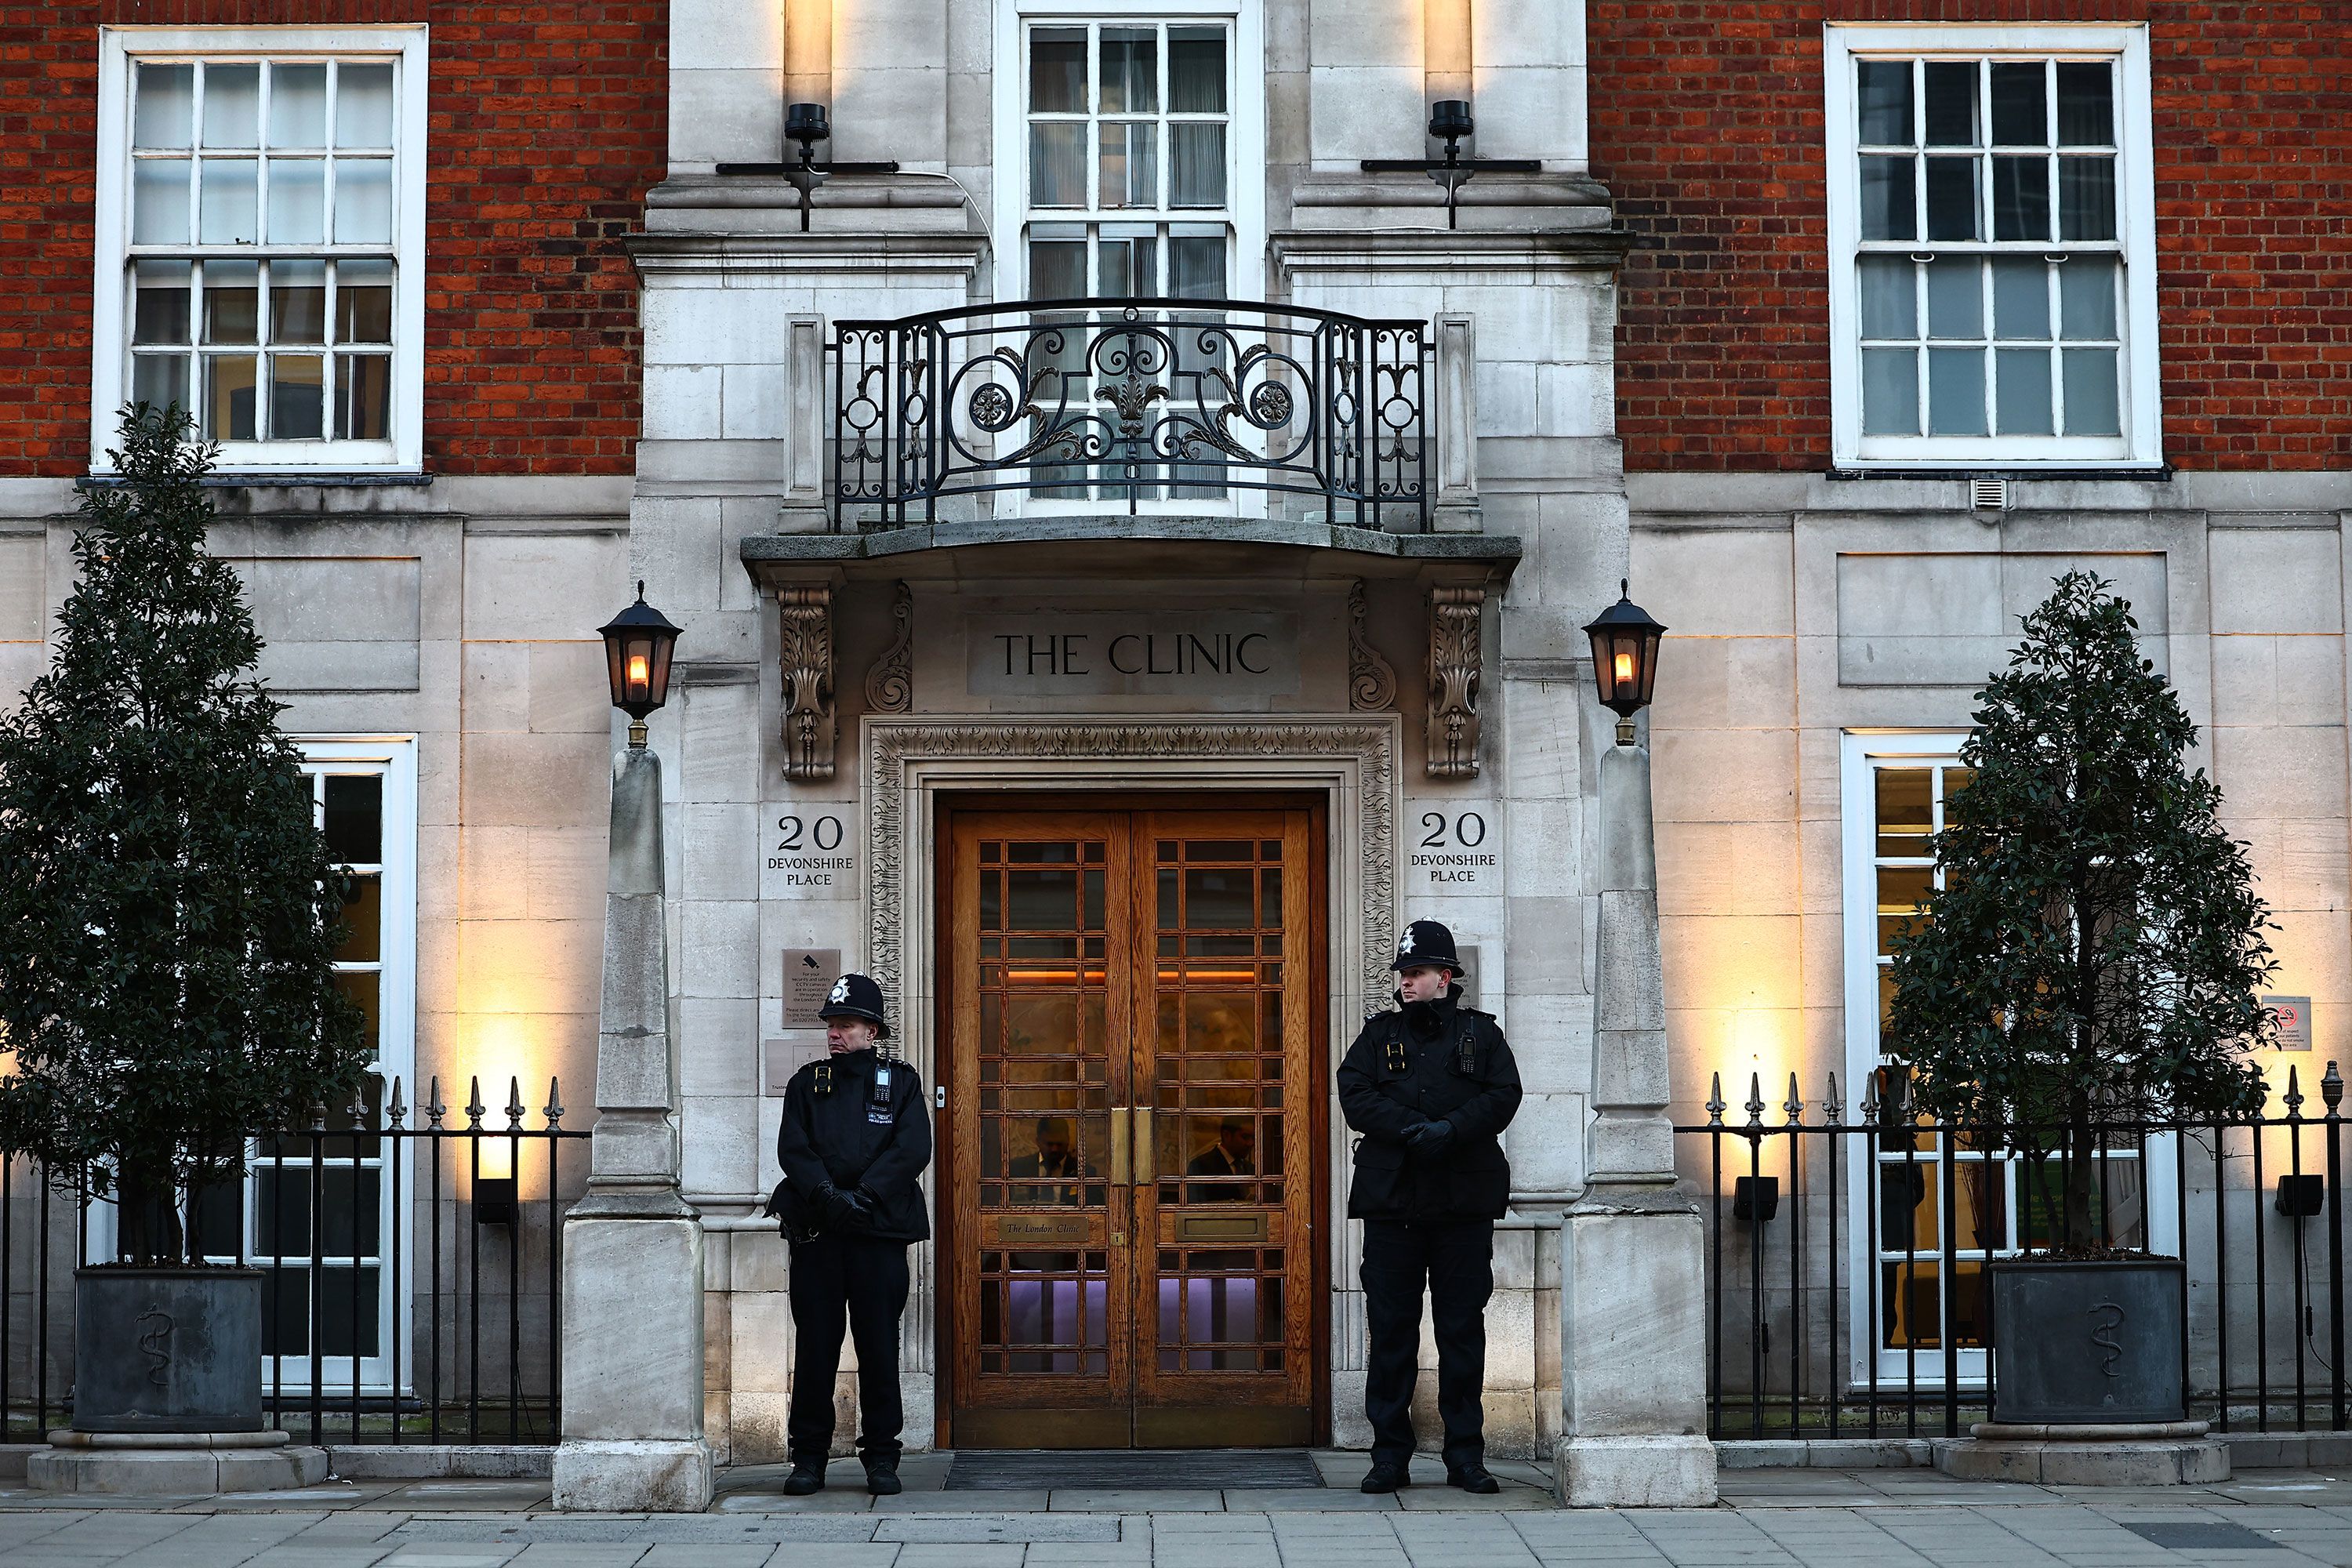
1428	1137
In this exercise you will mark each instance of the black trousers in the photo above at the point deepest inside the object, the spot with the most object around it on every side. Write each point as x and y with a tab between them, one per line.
1454	1260
859	1284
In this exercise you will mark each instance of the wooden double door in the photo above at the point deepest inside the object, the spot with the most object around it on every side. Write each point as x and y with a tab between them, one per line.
1133	1066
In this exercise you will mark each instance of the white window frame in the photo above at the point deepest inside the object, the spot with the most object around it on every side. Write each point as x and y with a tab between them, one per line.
1861	755
2139	385
119	48
1245	148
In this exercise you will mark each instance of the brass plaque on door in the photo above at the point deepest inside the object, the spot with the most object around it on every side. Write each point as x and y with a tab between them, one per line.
1220	1227
1043	1230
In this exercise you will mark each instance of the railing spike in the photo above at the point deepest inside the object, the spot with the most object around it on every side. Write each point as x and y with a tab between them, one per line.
434	1108
1714	1099
358	1110
1755	1100
1795	1104
1833	1107
317	1116
474	1106
514	1103
2331	1090
1869	1097
396	1110
554	1112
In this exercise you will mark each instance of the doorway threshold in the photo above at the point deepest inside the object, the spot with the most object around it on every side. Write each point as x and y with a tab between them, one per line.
1132	1469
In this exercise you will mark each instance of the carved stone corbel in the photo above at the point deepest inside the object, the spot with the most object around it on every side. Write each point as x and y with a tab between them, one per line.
890	684
1456	656
806	657
1371	682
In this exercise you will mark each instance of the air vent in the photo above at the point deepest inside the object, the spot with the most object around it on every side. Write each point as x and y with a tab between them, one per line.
1989	495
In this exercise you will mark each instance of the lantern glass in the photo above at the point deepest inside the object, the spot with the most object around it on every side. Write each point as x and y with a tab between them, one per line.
1624	659
637	646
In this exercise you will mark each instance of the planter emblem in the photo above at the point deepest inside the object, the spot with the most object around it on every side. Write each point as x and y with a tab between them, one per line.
2104	1337
154	1343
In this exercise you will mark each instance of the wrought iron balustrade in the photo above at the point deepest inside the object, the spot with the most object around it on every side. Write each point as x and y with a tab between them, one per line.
1180	405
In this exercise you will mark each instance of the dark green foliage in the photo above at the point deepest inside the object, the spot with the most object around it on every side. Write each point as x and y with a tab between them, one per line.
2096	951
168	915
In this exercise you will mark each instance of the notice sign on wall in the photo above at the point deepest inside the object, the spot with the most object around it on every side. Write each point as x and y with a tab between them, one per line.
809	974
1205	653
2294	1016
1453	849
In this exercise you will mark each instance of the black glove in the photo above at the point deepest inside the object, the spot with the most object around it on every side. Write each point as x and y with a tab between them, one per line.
1428	1137
859	1205
832	1206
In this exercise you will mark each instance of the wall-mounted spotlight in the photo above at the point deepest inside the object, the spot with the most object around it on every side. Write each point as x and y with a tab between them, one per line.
807	124
1450	122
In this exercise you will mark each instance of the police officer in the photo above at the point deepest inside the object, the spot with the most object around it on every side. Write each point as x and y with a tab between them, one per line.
856	1133
1429	1087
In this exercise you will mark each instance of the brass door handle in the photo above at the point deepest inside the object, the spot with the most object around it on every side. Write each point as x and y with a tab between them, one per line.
1120	1171
1143	1149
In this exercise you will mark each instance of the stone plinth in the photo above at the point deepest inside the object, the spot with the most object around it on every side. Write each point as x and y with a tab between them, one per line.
2150	1454
182	1464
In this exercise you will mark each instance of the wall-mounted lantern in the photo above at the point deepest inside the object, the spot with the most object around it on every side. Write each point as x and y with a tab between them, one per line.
1624	660
638	644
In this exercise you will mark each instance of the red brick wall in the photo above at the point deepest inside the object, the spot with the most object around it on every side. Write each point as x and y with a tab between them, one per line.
1707	125
546	128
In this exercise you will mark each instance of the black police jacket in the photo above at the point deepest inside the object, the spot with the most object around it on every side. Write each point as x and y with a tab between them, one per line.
836	1131
1433	1061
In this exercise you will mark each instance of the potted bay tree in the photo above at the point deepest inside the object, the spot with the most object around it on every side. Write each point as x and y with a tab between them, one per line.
2091	964
168	921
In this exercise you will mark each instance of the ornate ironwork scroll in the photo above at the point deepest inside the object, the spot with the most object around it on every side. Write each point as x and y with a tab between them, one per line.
1457	655
1371	682
806	622
890	684
1132	402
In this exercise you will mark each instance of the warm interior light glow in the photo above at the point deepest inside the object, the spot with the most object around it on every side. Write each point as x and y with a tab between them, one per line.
1624	665
639	677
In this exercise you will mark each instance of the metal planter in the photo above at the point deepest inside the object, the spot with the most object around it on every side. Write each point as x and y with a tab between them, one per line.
2080	1342
167	1350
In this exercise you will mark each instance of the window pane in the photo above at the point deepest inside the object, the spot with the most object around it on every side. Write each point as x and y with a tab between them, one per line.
1057	71
2091	404
354	818
2086	198
1130	71
1196	267
159	304
296	386
1956	298
228	397
160	379
1196	70
363	105
1890	308
2021	388
2020	297
298	106
158	201
1890	392
232	301
1058	165
1889	199
2087	298
2086	110
363	398
232	105
229	188
1126	266
2019	110
1884	92
362	201
2020	198
1196	173
1956	391
1131	166
167	97
297	301
298	201
1904	812
1952	199
1951	103
1058	269
363	302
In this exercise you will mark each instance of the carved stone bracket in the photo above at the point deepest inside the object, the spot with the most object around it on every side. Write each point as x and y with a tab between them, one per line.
1457	655
890	684
806	622
1371	682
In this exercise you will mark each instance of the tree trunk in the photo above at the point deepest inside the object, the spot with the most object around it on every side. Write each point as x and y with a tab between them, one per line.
2080	1152
147	1222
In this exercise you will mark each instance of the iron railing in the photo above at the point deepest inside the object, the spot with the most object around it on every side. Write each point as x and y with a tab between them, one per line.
1185	404
412	1289
1846	1291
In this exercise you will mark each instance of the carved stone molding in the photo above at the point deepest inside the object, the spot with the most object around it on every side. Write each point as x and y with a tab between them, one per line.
1456	655
1204	754
806	622
1371	682
890	684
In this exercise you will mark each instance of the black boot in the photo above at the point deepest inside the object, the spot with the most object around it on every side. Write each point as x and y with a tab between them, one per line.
1384	1477
808	1475
1472	1476
882	1475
